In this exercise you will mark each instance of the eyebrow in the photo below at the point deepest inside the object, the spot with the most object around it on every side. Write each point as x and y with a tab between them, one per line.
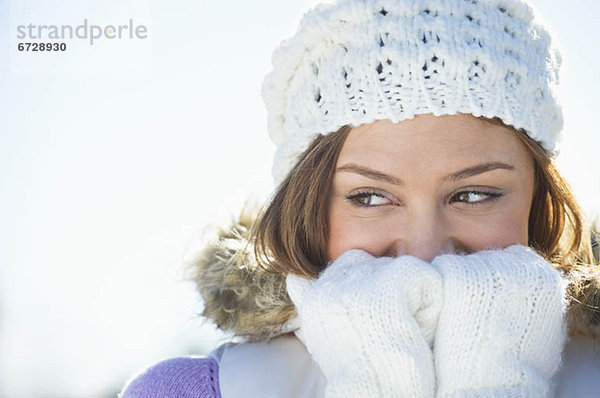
459	175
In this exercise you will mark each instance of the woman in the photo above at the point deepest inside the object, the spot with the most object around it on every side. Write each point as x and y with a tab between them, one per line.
420	241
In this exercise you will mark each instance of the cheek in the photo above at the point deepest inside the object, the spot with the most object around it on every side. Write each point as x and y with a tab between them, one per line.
481	237
507	225
503	229
351	232
342	235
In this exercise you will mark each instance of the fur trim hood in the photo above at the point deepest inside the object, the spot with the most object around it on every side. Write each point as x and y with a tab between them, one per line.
252	303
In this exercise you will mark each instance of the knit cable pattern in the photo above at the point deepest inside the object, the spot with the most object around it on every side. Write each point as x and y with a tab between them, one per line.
369	323
356	61
501	330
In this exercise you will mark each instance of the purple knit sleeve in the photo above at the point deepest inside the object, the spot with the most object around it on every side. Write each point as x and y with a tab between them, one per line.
176	378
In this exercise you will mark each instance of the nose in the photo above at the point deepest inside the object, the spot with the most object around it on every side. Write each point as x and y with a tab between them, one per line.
425	238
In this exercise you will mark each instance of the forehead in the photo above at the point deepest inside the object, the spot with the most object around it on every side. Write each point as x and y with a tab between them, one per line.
435	140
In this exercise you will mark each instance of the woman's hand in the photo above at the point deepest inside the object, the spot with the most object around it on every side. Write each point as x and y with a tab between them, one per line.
368	322
501	330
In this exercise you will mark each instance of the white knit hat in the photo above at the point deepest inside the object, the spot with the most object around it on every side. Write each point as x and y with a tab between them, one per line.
357	61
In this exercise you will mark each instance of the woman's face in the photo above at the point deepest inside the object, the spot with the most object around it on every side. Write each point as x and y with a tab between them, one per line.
430	185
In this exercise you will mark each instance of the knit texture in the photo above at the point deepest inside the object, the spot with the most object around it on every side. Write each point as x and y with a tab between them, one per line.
501	330
176	378
369	323
356	61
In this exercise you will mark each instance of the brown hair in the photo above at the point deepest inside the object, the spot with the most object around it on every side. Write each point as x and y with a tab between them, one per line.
557	225
559	231
291	235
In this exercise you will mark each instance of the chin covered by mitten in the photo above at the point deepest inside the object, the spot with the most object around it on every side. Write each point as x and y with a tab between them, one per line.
501	330
369	324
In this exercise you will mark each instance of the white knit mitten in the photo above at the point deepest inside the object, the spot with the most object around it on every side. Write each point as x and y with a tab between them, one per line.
369	322
501	330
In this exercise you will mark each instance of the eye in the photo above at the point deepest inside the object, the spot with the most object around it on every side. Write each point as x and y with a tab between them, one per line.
475	198
368	199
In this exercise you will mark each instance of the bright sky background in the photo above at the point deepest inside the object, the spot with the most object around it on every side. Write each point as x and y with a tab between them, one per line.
115	157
